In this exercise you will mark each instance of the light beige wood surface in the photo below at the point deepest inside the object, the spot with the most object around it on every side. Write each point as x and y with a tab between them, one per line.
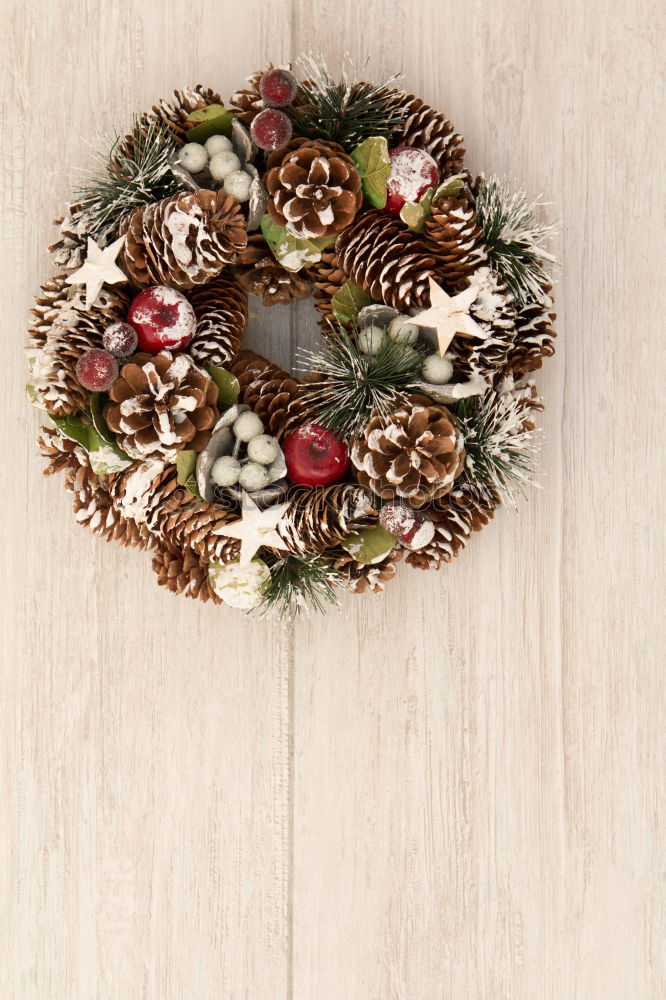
450	792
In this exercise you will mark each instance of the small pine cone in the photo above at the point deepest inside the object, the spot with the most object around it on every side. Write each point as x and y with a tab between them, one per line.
318	519
416	454
248	102
183	572
464	510
359	578
159	405
271	393
221	311
261	274
183	240
94	509
456	239
69	251
328	278
525	392
314	188
389	263
535	336
495	312
428	129
176	111
62	306
60	452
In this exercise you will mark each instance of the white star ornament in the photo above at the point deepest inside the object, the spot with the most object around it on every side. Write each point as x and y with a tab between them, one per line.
99	269
449	316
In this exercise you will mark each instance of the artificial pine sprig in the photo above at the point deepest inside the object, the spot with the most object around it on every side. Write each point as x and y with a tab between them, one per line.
354	385
298	583
133	173
346	112
515	238
500	444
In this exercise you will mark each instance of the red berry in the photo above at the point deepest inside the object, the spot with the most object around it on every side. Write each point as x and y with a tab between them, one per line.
163	319
413	171
278	87
271	129
120	339
315	456
97	370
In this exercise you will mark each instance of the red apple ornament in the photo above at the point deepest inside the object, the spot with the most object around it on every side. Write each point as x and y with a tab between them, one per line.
315	456
413	171
163	319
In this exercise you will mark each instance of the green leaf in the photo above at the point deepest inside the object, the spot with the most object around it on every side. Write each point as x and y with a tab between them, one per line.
414	214
73	428
211	120
369	545
186	461
97	403
191	485
450	188
293	253
105	456
227	385
374	165
348	302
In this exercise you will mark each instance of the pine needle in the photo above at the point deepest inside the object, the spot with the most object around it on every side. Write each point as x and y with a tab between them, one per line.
515	238
125	181
298	583
354	386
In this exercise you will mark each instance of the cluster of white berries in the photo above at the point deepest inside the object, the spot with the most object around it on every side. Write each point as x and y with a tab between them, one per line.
370	338
223	164
254	472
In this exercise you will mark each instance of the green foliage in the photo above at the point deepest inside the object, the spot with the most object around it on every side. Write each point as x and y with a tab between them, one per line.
214	119
348	301
227	385
374	165
291	252
132	174
515	238
354	385
298	583
104	455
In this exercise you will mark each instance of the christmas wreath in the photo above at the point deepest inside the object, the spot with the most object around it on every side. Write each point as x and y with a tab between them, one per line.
408	427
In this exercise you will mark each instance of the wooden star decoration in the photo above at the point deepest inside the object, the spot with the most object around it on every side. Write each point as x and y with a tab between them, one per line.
256	528
449	316
99	269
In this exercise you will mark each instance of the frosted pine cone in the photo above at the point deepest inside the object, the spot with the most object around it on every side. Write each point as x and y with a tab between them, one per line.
464	510
272	393
535	336
248	102
61	453
221	310
94	509
328	278
320	518
456	239
183	572
495	312
183	240
314	186
416	454
159	405
359	578
261	274
426	128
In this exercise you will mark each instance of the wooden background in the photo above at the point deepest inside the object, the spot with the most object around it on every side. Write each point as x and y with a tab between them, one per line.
453	791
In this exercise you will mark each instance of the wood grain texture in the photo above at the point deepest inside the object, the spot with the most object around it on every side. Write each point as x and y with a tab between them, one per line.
454	790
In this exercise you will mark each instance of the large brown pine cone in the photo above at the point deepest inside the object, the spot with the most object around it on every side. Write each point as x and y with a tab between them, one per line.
319	519
416	454
221	310
456	239
273	394
328	278
159	405
535	336
389	263
359	578
183	572
183	240
464	510
93	507
428	129
314	186
495	312
261	274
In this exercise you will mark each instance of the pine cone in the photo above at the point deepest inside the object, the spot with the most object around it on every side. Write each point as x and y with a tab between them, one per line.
271	393
390	263
261	274
94	509
182	572
248	102
495	312
183	240
425	128
61	453
464	510
159	405
456	239
328	278
69	251
535	336
221	311
319	519
416	454
314	186
63	307
358	578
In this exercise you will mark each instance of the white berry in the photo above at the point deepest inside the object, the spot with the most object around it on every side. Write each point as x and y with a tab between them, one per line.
223	164
225	471
218	144
370	339
247	425
193	157
238	184
402	331
263	449
437	370
254	477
